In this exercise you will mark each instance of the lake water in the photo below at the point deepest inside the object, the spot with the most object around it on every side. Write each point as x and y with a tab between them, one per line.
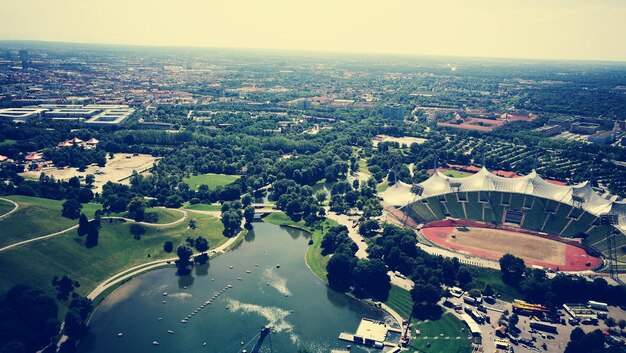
304	312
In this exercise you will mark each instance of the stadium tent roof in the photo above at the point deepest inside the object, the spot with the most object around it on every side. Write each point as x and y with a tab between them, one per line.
531	184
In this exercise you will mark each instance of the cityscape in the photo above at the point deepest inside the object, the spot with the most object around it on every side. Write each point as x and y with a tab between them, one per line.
311	197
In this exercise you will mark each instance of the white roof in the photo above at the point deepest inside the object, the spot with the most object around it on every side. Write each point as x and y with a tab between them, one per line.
531	184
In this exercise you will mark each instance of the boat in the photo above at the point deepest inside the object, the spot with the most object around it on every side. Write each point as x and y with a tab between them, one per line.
248	271
170	331
155	343
231	267
239	278
120	334
278	266
183	321
165	294
229	286
164	302
160	319
204	344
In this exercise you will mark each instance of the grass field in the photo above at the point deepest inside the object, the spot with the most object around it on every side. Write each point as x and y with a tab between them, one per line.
7	142
482	276
210	180
37	217
166	215
5	207
456	174
202	207
36	263
314	258
436	331
448	325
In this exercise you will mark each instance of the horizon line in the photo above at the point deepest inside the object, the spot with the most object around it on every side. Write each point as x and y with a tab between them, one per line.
319	51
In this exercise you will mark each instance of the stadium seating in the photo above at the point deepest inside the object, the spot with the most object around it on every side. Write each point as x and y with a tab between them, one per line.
473	208
454	206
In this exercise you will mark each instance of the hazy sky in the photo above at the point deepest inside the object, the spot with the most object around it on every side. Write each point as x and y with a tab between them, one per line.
555	29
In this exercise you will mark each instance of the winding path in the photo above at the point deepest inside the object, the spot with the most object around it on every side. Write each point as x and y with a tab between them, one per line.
157	225
15	207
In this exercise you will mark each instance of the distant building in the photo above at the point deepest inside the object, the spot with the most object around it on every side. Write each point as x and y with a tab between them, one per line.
114	116
71	113
564	122
20	114
394	111
584	128
602	137
549	130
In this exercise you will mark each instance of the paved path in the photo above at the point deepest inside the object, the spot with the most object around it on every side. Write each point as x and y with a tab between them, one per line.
185	214
15	207
352	231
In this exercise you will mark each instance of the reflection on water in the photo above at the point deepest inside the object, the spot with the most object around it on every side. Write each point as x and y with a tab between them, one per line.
270	284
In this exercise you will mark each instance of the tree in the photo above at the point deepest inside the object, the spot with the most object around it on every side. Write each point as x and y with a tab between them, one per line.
192	224
201	244
464	276
64	286
83	225
137	230
71	209
370	278
339	269
28	320
425	294
248	214
137	208
231	220
622	325
488	291
90	179
368	228
610	322
512	268
320	196
93	233
168	246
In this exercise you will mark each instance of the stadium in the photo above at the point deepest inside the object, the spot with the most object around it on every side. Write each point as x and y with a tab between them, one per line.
561	227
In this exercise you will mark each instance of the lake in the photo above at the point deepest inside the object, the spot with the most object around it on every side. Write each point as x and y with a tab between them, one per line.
304	312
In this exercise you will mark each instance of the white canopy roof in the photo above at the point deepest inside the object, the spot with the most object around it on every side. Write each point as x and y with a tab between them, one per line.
531	184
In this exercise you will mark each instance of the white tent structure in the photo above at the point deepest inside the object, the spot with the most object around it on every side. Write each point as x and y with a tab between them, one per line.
581	194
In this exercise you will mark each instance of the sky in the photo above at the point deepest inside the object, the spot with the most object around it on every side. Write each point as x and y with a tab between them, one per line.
536	29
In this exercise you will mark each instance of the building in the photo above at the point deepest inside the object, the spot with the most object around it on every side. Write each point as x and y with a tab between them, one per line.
70	113
20	114
564	122
549	130
114	116
584	128
394	111
602	137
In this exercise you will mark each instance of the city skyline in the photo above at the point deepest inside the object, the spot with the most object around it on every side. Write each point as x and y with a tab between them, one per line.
569	30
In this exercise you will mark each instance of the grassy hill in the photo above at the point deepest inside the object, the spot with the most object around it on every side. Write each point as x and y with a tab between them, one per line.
37	217
36	263
5	207
210	180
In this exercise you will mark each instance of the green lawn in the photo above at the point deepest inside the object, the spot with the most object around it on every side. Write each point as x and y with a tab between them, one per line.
314	258
448	325
203	207
382	186
7	142
166	215
363	166
482	276
36	263
37	217
456	174
400	301
5	207
211	180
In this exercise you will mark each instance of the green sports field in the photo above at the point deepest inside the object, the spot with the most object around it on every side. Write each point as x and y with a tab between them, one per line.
210	180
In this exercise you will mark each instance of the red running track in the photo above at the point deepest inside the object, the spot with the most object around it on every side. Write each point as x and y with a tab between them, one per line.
576	257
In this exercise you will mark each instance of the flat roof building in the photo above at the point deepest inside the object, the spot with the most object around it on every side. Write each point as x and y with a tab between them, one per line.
110	117
20	114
